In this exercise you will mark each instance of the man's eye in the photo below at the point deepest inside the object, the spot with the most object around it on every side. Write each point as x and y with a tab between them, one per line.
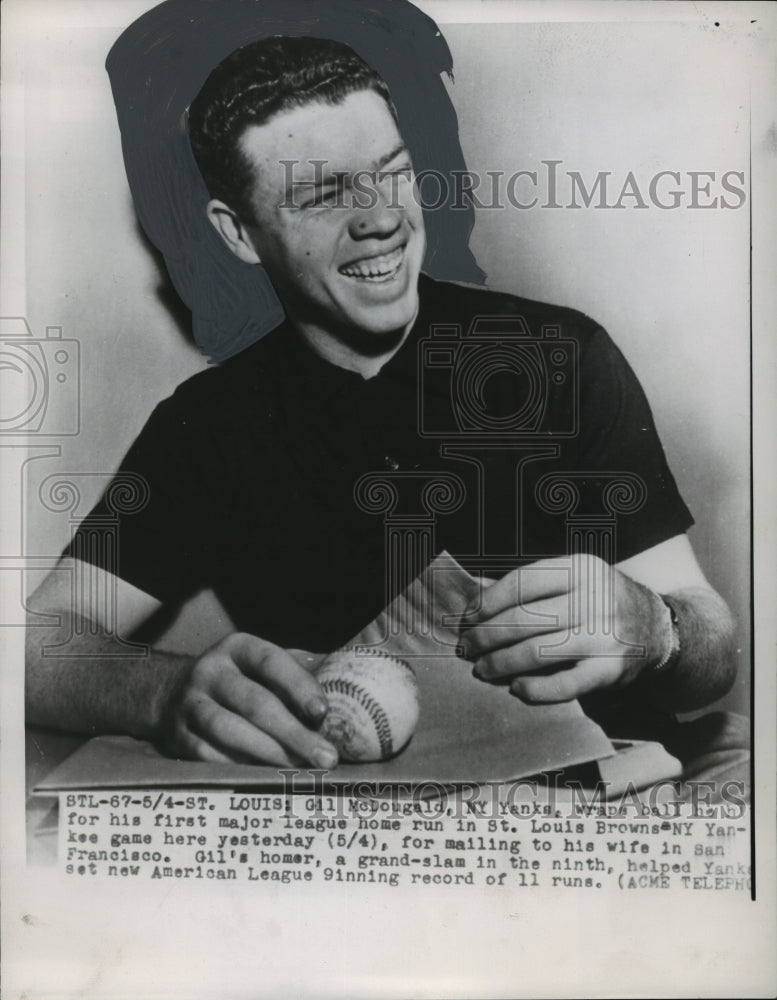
329	196
406	172
324	198
395	180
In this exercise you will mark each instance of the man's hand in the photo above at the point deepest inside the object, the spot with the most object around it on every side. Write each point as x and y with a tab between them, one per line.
246	700
560	628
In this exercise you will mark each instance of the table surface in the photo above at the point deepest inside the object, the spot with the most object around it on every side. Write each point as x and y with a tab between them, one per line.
45	750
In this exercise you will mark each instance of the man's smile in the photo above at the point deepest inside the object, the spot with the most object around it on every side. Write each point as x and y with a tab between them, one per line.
376	268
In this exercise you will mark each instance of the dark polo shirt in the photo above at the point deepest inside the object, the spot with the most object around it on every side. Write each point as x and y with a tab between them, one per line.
527	419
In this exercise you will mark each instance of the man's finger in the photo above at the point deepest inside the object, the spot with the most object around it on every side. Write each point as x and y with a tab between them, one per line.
566	685
275	669
196	747
270	715
187	745
517	624
225	735
308	661
542	579
537	653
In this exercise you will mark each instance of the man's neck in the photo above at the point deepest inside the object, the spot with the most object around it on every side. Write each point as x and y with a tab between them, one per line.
366	357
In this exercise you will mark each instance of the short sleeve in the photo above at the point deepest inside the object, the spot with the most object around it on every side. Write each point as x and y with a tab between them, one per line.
618	435
156	547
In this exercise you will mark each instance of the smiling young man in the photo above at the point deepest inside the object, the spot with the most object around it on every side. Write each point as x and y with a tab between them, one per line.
348	279
251	466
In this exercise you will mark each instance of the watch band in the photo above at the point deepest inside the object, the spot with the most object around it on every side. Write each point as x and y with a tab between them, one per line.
672	654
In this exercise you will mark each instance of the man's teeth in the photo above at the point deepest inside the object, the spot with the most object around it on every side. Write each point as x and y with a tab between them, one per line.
375	267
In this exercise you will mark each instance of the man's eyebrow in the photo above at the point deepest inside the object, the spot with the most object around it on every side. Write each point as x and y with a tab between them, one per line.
388	157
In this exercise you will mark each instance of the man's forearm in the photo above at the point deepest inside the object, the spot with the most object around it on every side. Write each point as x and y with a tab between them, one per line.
89	693
707	665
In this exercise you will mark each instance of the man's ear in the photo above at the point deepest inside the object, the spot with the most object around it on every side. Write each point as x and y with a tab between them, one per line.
227	224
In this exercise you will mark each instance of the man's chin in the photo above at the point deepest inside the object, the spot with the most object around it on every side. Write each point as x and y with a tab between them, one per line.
383	326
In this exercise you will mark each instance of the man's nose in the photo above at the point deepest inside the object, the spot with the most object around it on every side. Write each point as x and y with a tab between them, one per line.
380	219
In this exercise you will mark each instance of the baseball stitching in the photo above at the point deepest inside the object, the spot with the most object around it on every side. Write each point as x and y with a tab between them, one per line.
371	651
339	685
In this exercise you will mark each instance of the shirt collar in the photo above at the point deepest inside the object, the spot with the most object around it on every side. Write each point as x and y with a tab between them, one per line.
314	380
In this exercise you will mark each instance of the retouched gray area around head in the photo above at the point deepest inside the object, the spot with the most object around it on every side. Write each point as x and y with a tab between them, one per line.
162	60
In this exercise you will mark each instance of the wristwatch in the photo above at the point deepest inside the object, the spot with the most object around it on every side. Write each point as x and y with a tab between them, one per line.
672	654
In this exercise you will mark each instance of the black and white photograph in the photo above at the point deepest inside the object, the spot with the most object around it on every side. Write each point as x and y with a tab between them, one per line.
388	527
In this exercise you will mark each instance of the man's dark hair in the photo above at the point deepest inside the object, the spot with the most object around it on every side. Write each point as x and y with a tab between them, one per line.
253	84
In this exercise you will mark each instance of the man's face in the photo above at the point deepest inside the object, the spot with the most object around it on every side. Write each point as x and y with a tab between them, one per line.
342	240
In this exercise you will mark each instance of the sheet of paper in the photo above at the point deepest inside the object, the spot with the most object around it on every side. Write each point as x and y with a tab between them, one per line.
468	730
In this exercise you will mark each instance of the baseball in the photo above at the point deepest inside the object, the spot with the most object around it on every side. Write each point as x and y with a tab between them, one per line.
373	704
